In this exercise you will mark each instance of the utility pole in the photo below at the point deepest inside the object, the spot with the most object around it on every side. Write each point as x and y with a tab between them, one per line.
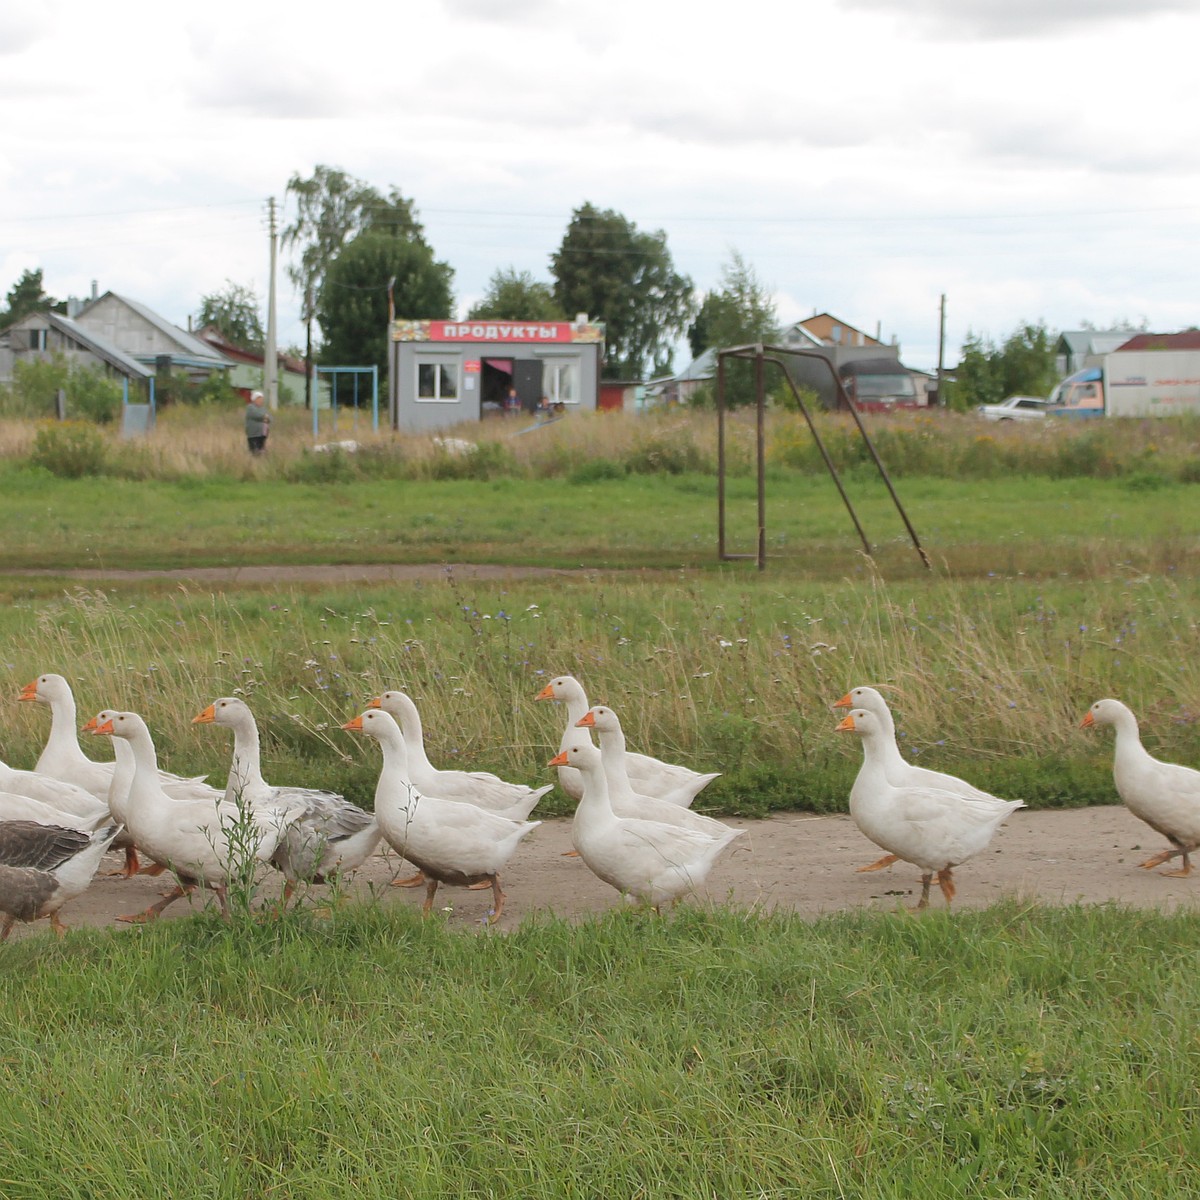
941	353
308	366
270	358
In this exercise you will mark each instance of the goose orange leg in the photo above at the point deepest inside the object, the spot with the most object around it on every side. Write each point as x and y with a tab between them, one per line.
1157	860
132	864
410	880
497	901
431	886
155	910
946	883
879	864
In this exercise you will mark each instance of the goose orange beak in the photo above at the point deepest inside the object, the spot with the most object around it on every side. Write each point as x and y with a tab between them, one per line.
847	722
845	702
207	717
1088	721
89	727
560	759
586	721
377	702
29	691
104	730
355	725
547	693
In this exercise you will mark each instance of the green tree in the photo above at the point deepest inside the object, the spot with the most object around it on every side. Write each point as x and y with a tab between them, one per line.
1027	361
738	313
617	274
514	295
331	207
233	312
352	305
1023	366
27	296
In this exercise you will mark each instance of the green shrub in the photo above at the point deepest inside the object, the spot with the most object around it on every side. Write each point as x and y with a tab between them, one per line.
70	450
597	470
1145	481
35	386
671	455
326	466
487	460
1090	455
92	397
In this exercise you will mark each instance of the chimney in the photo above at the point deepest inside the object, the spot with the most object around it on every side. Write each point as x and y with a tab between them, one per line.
95	292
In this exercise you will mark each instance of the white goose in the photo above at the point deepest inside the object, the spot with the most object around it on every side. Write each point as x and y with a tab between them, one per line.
451	842
44	866
57	793
15	807
329	834
625	800
649	860
123	767
1164	795
62	757
650	776
897	768
481	788
192	838
934	828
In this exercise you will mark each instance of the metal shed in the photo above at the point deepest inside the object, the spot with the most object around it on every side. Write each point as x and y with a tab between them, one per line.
443	373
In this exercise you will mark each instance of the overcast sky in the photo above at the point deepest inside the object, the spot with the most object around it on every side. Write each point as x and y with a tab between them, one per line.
1033	160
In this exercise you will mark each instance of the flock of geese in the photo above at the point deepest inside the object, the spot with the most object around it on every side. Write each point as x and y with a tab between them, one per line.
633	826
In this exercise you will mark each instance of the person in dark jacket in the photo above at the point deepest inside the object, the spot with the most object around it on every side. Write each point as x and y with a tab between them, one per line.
258	423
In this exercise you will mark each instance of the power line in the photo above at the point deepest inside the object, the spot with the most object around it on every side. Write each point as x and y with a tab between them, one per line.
798	220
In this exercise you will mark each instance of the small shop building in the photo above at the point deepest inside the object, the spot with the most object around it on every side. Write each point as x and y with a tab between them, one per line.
444	373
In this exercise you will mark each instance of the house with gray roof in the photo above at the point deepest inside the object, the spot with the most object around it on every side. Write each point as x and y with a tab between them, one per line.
142	334
1078	348
44	335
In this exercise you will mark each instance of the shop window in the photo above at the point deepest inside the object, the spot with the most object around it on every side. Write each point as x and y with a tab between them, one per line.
560	381
437	381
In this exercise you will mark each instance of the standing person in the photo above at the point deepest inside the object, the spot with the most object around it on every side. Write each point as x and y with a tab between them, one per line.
512	403
258	423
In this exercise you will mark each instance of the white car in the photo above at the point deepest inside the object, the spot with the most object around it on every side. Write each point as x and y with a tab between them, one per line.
1015	408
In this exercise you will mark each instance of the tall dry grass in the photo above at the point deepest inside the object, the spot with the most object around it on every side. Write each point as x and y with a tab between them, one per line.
200	442
991	682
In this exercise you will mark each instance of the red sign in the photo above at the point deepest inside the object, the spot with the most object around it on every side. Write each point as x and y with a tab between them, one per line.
471	366
500	331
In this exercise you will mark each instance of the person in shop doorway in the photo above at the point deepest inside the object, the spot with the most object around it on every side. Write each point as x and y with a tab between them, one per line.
512	403
258	423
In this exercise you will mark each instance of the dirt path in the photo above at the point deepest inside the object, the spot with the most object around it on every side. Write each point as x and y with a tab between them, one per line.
329	573
796	862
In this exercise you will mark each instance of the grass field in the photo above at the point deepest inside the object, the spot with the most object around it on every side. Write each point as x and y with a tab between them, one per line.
1012	1052
1015	1052
1084	528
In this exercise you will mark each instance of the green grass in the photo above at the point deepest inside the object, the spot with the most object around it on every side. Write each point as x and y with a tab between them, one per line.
1002	526
1014	1052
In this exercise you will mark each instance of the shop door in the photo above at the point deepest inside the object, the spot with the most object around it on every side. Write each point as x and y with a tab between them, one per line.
527	378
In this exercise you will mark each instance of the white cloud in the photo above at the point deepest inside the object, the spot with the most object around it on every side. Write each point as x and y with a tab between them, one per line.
23	25
1017	19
